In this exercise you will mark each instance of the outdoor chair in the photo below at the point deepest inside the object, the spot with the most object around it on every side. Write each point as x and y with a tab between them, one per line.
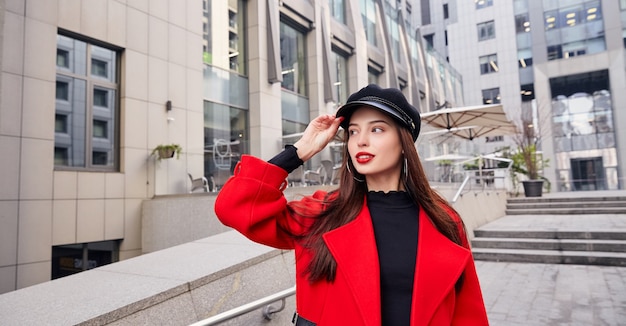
199	183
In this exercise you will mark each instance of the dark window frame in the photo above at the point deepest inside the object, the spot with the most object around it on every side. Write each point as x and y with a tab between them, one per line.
82	82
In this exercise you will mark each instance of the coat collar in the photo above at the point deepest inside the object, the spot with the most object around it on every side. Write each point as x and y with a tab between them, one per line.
439	264
354	248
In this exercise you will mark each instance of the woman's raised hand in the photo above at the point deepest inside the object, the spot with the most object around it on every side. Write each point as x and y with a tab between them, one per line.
317	135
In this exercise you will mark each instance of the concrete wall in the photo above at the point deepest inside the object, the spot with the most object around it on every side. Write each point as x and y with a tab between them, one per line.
167	221
480	207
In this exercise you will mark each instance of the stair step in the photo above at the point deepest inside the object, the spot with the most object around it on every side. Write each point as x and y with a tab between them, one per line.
613	199
551	256
599	234
565	211
551	244
588	204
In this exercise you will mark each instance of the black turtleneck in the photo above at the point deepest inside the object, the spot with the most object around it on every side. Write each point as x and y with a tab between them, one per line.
395	220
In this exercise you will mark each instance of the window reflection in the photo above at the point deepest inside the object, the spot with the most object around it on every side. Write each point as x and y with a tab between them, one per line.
225	139
338	10
292	56
86	113
368	13
341	64
486	31
581	120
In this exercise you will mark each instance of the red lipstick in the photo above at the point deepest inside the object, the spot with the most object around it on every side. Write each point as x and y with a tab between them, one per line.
363	157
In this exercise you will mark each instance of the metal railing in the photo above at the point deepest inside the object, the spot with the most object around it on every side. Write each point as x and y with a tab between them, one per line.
458	192
479	184
268	310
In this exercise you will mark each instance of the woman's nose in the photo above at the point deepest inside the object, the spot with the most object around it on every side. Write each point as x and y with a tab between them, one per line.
362	139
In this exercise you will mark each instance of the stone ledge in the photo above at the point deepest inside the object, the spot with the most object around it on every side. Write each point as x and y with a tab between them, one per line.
112	292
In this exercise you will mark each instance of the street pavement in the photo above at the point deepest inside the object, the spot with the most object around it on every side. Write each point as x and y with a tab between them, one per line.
533	294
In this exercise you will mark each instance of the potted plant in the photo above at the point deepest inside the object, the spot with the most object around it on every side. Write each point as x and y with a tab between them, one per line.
529	162
166	151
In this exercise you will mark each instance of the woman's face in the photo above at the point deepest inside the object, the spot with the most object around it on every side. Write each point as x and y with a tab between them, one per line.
374	147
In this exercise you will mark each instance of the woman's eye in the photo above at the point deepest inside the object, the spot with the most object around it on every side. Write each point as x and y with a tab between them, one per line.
377	129
352	132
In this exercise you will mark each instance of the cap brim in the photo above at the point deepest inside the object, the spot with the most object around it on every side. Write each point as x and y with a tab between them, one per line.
347	110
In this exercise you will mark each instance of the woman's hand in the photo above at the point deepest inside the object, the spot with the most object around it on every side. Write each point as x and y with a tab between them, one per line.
317	135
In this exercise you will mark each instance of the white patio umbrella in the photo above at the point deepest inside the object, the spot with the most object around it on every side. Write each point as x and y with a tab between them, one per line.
480	115
472	132
448	157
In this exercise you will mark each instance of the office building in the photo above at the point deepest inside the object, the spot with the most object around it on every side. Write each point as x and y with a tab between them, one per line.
90	88
555	65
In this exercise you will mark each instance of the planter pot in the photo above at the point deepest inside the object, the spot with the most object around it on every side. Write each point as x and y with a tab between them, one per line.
166	153
533	188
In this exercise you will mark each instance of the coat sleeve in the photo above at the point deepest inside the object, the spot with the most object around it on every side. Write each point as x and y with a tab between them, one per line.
252	202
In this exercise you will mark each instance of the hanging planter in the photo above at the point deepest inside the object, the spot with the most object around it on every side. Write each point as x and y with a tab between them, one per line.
166	151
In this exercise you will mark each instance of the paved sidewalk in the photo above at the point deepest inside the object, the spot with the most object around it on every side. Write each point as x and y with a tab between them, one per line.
528	294
532	294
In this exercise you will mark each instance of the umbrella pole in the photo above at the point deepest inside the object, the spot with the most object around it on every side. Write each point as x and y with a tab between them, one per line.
480	169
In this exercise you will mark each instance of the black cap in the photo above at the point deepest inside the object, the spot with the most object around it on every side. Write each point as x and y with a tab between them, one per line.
389	100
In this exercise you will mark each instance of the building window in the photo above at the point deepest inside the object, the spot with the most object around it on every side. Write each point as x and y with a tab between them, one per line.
524	58
338	10
486	31
393	29
368	13
294	97
293	59
483	3
86	107
229	34
582	112
341	85
574	30
207	33
373	75
488	64
491	96
522	23
76	258
225	139
446	14
527	92
520	6
429	41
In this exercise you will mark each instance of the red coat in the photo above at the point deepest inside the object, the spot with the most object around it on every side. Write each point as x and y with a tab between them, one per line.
253	203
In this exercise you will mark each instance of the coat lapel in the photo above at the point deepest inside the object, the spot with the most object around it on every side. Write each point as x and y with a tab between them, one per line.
354	248
439	265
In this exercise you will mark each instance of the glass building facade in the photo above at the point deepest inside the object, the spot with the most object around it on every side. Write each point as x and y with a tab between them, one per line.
315	63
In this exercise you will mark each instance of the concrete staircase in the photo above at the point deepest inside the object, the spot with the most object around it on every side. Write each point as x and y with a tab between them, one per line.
556	245
568	206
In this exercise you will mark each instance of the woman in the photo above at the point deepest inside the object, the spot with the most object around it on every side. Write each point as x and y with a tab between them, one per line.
382	249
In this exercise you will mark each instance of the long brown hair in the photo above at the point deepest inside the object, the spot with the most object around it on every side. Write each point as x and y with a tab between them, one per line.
343	205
